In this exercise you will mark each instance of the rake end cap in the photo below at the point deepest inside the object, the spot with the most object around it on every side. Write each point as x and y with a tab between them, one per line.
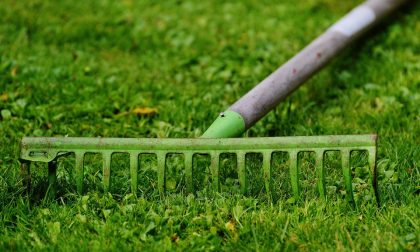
227	124
374	136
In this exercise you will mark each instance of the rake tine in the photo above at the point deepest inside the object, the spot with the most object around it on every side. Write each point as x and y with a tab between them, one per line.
321	173
25	172
345	159
79	171
294	172
52	179
188	156
241	171
134	164
374	175
214	168
267	172
106	170
161	167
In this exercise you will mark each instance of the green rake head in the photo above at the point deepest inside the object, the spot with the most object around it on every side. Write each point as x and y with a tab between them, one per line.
49	149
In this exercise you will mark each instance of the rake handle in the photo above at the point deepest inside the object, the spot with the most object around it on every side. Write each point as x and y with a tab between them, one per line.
276	87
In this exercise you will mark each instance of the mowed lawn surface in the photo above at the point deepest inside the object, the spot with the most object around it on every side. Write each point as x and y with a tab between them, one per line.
92	68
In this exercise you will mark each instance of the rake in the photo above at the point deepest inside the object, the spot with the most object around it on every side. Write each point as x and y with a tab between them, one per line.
48	149
242	115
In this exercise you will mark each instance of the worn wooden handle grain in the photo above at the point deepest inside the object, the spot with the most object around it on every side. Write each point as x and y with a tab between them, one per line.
287	78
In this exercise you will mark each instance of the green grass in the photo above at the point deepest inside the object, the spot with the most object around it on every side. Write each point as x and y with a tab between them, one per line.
78	68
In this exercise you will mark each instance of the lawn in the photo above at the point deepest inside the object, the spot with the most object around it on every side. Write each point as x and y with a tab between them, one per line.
148	69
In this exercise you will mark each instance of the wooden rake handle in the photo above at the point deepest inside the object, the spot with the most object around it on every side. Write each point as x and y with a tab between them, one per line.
276	87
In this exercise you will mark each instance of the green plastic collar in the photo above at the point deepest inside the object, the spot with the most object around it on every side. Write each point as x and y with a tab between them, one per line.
227	124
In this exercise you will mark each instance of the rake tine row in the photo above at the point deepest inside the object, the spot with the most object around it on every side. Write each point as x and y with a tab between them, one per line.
38	153
214	169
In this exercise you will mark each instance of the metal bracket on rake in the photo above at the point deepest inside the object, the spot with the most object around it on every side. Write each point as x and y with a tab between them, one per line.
48	149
